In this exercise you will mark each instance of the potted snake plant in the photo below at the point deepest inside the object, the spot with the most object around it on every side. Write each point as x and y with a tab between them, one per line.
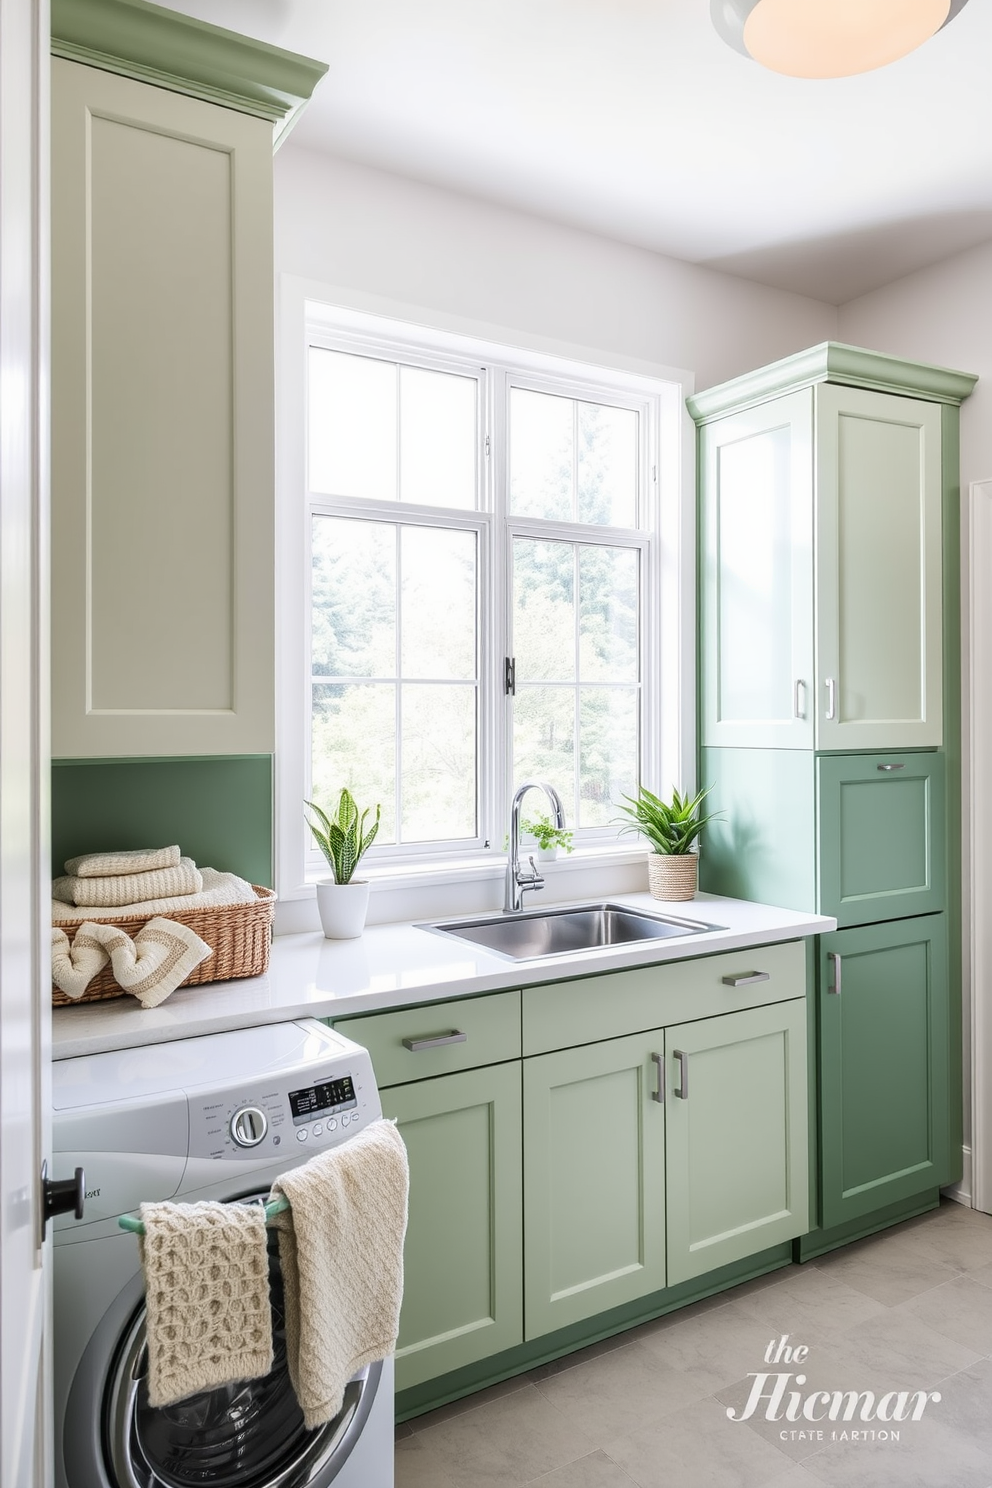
343	901
672	828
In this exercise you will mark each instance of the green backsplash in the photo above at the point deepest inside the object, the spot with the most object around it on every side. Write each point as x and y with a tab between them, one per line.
218	808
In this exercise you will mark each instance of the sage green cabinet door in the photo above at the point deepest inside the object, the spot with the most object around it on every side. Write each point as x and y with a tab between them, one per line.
594	1184
737	1138
756	473
462	1259
883	1009
878	570
882	836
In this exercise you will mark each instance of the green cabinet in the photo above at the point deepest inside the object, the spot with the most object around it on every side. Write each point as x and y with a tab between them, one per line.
736	1148
594	1185
884	1071
829	728
653	1159
462	1258
821	618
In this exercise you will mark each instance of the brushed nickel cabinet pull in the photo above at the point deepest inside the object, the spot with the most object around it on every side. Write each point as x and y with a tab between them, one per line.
799	703
438	1042
747	980
901	766
683	1059
831	699
834	958
658	1094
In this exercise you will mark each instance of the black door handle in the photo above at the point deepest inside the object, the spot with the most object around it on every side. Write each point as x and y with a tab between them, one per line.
61	1195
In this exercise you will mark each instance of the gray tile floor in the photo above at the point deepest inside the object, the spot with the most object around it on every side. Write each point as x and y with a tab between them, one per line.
909	1310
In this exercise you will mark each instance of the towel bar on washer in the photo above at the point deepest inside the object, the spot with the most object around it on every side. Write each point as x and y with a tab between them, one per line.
272	1208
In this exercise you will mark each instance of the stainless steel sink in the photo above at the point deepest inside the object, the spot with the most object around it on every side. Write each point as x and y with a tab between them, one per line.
558	932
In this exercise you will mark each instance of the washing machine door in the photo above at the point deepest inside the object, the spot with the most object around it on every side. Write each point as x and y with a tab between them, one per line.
244	1435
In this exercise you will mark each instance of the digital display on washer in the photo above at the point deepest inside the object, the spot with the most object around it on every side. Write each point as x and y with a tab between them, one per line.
321	1100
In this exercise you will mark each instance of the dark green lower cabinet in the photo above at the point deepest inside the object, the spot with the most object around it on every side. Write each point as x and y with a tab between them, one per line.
883	1010
462	1259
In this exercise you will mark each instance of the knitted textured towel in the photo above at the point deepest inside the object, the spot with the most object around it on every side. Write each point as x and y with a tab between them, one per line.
341	1251
207	1294
150	967
129	888
108	865
218	889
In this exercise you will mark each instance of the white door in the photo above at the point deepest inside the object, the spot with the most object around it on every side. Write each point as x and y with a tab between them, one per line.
24	1016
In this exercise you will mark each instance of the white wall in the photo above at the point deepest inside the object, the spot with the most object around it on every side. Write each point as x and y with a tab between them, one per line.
943	314
384	235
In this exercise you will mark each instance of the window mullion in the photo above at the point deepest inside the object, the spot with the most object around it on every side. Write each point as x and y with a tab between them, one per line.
398	691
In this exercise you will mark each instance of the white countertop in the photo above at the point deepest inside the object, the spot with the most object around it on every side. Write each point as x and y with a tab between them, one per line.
397	965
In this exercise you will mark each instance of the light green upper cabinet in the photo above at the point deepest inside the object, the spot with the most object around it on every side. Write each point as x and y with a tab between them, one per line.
878	571
834	492
162	382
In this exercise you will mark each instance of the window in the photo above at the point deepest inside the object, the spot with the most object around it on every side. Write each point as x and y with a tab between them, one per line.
483	569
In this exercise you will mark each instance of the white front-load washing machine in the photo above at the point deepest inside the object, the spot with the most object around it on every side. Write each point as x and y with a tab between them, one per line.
214	1117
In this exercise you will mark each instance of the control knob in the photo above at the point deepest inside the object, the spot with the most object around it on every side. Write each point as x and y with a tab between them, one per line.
248	1126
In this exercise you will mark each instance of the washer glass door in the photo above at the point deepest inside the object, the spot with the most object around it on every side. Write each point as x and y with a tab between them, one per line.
245	1435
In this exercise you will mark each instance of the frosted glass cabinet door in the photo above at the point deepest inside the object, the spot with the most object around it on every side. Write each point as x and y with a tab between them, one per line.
757	624
878	542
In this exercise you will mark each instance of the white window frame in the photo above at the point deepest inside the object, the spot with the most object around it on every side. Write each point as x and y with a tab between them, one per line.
667	724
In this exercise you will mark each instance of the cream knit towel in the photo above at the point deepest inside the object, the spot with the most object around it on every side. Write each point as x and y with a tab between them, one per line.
207	1295
341	1251
129	888
109	865
218	889
150	967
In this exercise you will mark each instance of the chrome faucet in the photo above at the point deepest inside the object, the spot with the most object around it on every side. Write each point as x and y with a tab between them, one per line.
518	883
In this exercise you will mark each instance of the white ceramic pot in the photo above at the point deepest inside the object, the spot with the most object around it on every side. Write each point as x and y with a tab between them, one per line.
342	907
546	854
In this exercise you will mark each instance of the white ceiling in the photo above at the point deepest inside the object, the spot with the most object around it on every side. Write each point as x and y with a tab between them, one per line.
632	118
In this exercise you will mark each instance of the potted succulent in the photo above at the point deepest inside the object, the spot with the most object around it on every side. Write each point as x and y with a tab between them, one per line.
672	828
548	837
343	900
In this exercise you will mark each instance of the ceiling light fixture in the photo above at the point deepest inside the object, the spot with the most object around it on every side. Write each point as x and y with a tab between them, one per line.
829	38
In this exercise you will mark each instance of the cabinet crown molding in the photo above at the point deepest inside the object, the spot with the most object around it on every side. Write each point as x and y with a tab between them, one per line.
832	361
159	46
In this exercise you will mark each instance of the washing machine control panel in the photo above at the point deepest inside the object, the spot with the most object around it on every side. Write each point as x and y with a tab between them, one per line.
266	1122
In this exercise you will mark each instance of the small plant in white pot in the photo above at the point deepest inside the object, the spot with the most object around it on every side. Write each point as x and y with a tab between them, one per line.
547	836
672	828
343	900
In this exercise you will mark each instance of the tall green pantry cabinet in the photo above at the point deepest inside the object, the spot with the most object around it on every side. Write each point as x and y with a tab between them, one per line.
830	732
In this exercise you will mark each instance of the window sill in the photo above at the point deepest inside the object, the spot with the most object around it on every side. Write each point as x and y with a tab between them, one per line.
471	885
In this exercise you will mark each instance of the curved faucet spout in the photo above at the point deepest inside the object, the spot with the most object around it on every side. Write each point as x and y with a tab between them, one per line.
517	883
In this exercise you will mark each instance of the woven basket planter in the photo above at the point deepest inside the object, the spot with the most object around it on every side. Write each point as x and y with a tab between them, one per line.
672	876
240	936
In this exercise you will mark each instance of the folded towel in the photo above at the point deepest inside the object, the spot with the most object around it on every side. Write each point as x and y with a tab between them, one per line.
207	1297
108	865
129	888
341	1251
218	889
150	967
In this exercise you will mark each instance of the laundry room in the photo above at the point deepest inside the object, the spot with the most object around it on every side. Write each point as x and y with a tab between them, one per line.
485	496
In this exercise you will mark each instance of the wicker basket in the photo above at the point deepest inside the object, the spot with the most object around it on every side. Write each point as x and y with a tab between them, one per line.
238	934
673	876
